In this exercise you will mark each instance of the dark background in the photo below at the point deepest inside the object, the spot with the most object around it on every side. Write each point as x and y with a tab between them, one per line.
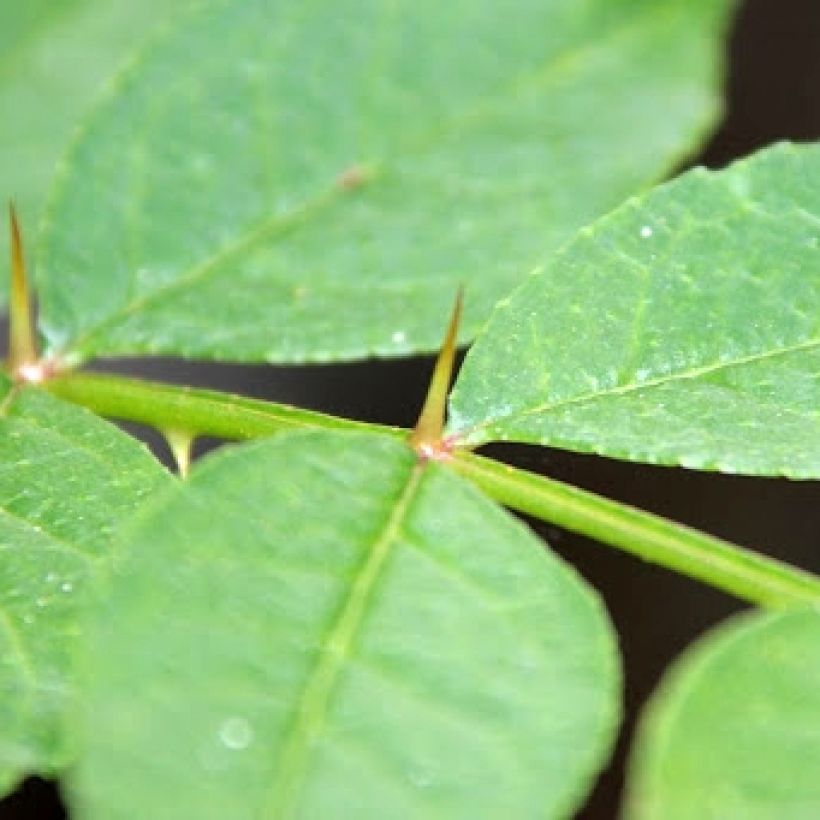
773	92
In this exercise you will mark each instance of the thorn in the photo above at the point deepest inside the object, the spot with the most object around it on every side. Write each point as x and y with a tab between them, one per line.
180	444
427	437
23	356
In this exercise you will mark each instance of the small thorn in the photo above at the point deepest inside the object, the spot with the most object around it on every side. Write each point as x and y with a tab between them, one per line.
23	355
427	439
180	444
354	177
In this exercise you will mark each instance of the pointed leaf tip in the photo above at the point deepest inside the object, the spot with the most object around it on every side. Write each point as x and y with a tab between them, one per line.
23	354
427	438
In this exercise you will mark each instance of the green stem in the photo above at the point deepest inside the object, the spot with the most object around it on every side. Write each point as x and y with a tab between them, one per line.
738	571
191	410
741	572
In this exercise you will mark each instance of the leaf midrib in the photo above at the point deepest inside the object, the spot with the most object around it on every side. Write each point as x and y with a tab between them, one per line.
470	435
265	228
556	67
311	708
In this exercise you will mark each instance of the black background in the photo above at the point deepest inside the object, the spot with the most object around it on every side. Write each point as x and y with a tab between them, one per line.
773	93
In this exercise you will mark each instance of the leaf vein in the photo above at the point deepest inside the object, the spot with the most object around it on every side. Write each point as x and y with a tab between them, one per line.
695	373
311	708
58	543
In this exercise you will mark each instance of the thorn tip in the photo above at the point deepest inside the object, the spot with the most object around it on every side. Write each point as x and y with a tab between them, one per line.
23	355
427	439
180	443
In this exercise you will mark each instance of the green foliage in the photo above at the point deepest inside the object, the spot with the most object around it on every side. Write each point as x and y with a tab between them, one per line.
54	57
680	329
68	481
329	623
734	731
407	645
300	181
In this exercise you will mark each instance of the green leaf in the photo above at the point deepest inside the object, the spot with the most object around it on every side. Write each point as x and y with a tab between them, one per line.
368	637
312	180
683	328
54	56
67	482
734	731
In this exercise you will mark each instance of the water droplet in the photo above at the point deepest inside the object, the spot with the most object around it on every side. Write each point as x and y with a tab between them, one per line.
51	578
67	586
646	232
399	337
236	733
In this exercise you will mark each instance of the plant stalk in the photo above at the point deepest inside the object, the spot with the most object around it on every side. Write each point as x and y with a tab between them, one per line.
743	573
193	411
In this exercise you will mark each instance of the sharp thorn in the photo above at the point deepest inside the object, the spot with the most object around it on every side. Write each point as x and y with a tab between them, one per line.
23	355
427	439
180	444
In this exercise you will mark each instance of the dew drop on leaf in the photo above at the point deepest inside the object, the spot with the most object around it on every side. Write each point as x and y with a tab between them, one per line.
236	733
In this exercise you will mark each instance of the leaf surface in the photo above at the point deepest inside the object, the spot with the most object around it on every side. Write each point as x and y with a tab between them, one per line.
67	482
683	328
54	57
299	181
734	732
315	623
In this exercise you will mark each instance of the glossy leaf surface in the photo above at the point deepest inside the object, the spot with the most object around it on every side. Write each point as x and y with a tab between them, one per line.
300	181
67	482
55	56
734	731
683	328
368	636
